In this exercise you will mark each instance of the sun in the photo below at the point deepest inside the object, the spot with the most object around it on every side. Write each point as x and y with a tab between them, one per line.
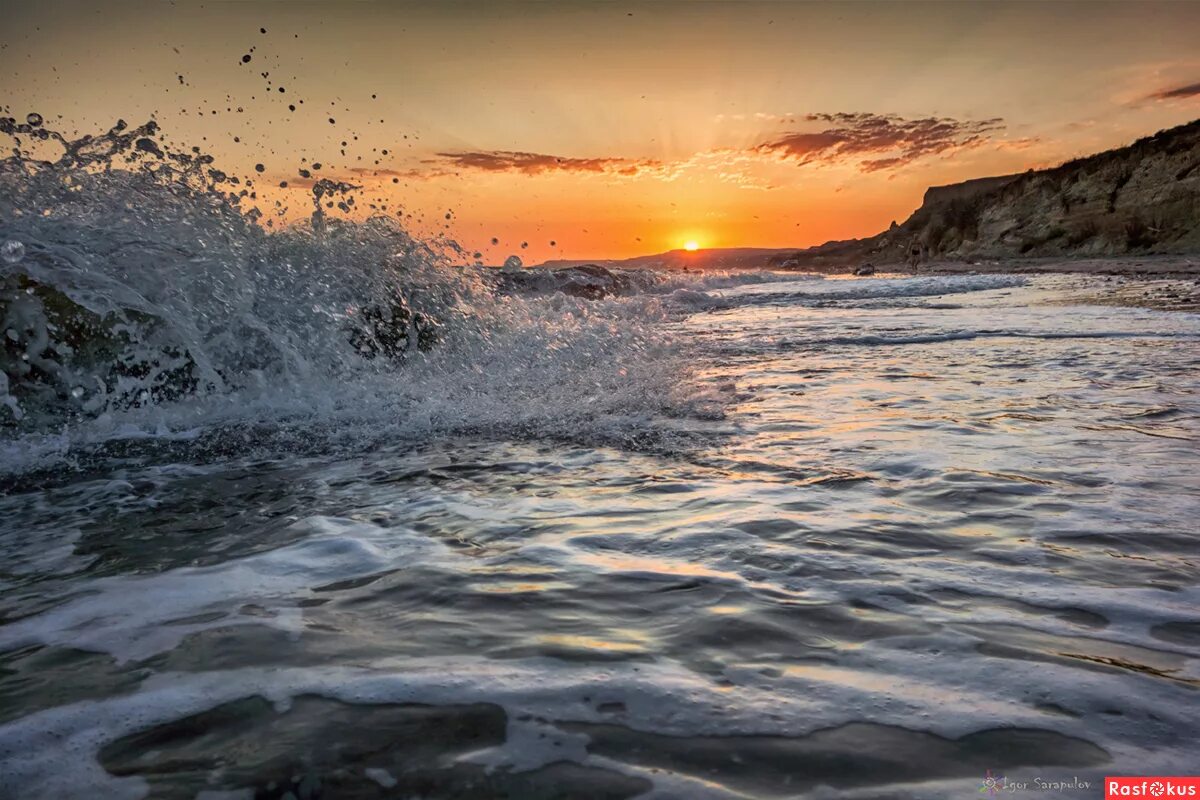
691	246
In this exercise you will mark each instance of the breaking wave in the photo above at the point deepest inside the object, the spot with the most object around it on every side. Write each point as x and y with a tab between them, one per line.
142	295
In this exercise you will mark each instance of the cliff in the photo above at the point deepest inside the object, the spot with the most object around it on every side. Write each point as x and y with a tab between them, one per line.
1140	199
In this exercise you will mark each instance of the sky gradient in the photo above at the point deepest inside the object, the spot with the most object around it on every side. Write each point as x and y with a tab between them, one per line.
613	129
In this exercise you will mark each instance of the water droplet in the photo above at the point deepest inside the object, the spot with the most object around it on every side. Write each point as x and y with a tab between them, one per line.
512	262
12	251
34	119
77	392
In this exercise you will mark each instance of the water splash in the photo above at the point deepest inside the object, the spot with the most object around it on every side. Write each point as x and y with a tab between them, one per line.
149	298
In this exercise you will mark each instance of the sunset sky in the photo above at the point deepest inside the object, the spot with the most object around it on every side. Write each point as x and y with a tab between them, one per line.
618	129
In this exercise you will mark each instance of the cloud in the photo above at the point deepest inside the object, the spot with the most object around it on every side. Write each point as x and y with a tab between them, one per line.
540	163
878	141
1177	93
386	174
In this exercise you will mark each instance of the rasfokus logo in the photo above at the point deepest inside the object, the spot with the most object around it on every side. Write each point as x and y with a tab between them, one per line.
1152	786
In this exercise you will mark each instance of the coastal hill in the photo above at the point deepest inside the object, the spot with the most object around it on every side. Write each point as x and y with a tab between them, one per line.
1142	199
709	258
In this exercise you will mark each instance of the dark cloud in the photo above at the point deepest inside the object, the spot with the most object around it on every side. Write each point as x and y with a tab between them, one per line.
1179	92
878	141
539	163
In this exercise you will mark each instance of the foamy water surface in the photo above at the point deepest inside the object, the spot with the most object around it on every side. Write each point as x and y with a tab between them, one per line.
722	538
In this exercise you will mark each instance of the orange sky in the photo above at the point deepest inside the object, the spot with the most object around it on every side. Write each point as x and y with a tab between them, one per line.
618	129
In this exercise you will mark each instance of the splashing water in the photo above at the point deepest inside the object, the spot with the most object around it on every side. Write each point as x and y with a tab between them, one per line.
141	296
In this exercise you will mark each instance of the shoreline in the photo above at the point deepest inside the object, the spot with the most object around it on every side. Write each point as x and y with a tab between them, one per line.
1150	266
1162	283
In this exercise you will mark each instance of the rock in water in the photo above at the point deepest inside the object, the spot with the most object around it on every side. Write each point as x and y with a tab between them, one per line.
586	281
392	330
59	357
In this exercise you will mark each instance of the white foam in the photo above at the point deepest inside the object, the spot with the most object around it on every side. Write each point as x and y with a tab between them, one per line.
381	776
817	292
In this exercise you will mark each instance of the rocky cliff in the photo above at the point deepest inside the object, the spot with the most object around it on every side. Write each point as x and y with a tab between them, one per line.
1144	198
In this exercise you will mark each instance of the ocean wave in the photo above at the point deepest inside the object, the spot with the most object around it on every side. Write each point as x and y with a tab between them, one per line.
141	294
830	292
875	340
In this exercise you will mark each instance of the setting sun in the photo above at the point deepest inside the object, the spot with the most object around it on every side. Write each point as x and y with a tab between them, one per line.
691	246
